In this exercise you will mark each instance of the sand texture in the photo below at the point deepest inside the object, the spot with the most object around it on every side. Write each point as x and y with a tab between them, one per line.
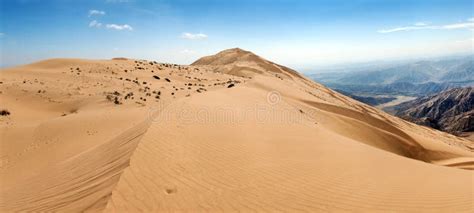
231	132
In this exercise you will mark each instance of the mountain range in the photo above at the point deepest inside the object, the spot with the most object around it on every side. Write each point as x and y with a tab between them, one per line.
412	78
451	111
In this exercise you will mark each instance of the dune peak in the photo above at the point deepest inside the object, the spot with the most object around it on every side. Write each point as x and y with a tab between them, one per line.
227	56
236	61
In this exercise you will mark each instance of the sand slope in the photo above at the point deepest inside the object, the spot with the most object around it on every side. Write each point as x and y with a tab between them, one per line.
232	132
65	148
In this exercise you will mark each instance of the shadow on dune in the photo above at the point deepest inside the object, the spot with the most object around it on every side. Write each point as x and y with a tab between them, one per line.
378	133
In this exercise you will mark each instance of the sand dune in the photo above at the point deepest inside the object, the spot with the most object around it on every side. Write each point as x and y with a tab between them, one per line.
232	132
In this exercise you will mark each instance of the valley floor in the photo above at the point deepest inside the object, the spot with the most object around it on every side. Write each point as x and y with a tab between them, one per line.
400	99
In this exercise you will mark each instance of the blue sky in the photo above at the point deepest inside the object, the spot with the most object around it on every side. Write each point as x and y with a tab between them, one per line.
297	33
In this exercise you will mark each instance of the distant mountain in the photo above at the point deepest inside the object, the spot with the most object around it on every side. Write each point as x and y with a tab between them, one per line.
420	72
414	79
451	111
400	88
460	72
437	71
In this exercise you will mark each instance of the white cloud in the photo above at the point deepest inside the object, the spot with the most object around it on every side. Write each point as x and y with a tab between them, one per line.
467	25
191	36
409	28
95	23
424	26
96	12
119	27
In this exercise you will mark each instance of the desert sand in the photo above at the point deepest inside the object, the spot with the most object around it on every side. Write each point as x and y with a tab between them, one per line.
231	132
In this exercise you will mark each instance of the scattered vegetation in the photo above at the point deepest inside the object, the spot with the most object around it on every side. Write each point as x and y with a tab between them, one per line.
114	97
4	112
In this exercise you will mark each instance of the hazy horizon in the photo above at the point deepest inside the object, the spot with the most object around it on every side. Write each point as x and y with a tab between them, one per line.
303	35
